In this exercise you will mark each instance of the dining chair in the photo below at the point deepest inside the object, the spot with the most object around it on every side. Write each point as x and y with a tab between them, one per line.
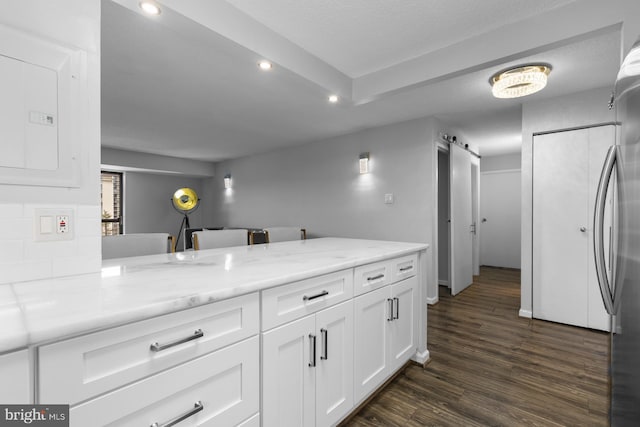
137	244
283	234
210	239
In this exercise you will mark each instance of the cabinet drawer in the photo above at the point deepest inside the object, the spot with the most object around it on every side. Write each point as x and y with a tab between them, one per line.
372	276
289	302
404	267
224	382
77	369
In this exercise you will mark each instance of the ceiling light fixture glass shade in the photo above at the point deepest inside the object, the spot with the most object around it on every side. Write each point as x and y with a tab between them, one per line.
520	81
333	99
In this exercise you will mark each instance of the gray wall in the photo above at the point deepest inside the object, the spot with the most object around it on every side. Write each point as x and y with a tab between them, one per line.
500	163
580	109
318	186
147	203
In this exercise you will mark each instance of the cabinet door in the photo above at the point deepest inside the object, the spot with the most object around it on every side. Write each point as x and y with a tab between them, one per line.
334	371
288	382
371	315
16	378
402	330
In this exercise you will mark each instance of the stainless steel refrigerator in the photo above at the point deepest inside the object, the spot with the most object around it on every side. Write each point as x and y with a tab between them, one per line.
620	289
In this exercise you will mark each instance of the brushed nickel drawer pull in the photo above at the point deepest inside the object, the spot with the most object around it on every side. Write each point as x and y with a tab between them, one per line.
159	347
390	318
321	294
407	268
379	276
197	407
397	314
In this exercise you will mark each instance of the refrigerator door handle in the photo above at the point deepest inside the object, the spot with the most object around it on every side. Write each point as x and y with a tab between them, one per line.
598	225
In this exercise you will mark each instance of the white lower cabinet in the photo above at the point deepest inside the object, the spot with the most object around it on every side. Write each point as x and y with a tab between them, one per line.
15	377
307	366
219	389
385	334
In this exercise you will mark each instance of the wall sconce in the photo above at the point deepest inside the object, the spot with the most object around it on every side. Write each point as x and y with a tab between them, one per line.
364	162
227	181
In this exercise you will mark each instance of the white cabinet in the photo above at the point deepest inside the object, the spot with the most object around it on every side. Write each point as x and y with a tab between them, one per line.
218	389
202	364
566	169
385	333
307	366
16	378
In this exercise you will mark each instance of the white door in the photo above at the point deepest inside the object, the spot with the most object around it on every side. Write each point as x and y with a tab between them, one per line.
371	315
288	384
500	218
334	371
560	225
461	254
566	169
402	330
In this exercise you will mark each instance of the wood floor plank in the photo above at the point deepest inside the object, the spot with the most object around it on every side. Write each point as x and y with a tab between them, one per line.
490	367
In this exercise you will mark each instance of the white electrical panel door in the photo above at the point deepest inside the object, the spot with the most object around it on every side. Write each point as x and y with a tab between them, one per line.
28	115
43	110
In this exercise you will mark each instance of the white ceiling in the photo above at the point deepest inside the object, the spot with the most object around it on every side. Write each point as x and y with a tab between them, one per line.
186	84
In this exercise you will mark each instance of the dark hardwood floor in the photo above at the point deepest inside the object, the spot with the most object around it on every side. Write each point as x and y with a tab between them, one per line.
490	367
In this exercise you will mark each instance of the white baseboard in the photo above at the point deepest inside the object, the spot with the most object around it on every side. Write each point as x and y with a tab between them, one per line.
432	300
525	313
421	358
443	283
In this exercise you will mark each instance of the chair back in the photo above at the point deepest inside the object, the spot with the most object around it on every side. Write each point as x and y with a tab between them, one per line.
211	239
283	234
137	244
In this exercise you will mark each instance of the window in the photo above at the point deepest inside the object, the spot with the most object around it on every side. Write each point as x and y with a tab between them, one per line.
111	196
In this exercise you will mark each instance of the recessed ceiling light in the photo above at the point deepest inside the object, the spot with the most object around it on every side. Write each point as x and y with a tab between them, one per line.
265	65
333	99
150	7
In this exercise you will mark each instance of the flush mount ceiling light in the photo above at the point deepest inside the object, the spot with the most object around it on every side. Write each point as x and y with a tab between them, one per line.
333	99
520	81
150	7
265	65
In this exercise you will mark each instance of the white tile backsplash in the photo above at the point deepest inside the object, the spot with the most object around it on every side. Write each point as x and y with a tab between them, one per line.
23	259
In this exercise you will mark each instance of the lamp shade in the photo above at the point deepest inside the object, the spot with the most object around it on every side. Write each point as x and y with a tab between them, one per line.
185	199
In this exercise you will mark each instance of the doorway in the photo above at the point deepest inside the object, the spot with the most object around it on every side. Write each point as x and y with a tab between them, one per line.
457	211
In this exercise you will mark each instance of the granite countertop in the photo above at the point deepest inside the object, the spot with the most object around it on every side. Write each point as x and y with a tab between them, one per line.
137	288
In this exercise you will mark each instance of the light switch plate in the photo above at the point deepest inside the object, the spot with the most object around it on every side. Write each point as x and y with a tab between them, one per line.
388	199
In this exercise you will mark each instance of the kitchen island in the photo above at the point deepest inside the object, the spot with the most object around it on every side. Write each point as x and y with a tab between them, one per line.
97	341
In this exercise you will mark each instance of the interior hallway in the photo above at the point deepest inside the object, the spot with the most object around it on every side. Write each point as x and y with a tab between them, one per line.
491	367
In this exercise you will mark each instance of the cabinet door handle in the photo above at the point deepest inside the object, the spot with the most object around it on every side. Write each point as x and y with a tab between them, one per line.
407	268
379	276
390	317
309	298
198	406
312	351
325	344
159	347
397	314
